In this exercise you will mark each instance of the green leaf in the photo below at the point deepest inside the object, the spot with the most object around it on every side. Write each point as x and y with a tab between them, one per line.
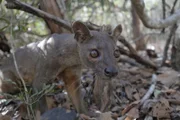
68	5
7	23
156	93
102	4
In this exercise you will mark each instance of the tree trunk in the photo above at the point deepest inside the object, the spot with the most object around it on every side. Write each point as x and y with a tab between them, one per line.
140	43
52	7
175	56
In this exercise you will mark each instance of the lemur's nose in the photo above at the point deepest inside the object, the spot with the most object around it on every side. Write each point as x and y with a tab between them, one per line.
111	72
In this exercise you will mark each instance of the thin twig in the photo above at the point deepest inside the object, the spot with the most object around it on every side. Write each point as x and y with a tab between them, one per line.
120	101
17	70
150	91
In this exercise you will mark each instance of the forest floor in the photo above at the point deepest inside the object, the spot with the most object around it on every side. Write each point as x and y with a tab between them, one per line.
137	92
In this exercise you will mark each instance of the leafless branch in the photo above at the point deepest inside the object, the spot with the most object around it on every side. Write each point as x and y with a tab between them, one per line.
174	4
172	33
155	24
15	4
173	30
164	12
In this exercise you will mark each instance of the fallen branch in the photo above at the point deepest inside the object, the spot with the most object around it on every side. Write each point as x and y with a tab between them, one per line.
127	44
150	91
156	24
144	100
133	54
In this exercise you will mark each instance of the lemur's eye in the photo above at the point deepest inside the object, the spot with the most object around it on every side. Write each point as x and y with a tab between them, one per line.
94	54
116	53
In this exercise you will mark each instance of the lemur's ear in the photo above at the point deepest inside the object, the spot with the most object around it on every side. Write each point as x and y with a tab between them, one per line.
81	32
117	31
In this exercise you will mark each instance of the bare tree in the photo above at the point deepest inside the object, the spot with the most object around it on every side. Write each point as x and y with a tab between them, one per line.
150	23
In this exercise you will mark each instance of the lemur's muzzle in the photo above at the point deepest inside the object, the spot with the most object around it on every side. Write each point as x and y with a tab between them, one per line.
111	72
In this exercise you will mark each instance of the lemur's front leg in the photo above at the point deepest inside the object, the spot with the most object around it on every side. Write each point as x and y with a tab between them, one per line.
71	77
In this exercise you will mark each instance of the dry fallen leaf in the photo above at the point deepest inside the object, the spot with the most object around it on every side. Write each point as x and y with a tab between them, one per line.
168	77
133	113
129	91
161	109
136	96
